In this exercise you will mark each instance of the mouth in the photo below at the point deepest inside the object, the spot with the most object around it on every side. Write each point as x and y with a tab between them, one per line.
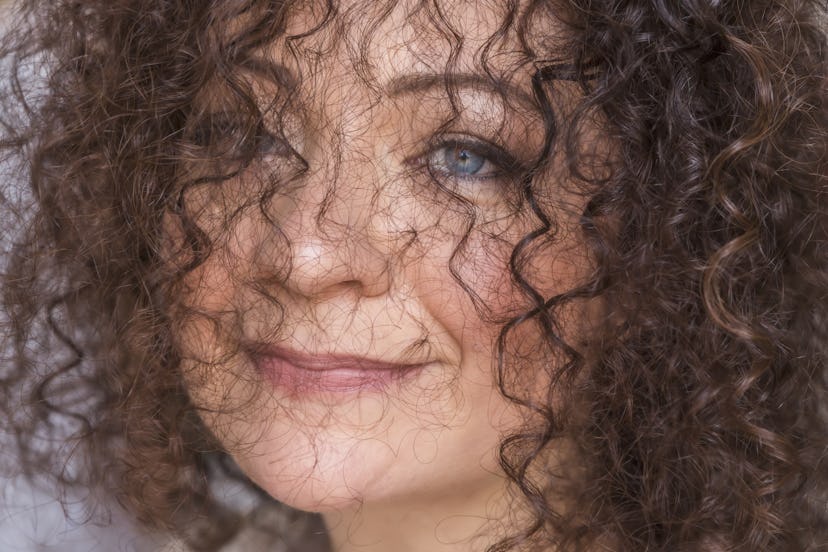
307	373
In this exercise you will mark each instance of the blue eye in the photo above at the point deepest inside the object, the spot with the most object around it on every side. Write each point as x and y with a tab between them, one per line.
471	167
462	161
469	158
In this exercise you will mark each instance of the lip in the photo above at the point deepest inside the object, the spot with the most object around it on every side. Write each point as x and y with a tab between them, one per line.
306	373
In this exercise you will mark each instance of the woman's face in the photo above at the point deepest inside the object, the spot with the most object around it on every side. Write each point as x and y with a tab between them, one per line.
341	337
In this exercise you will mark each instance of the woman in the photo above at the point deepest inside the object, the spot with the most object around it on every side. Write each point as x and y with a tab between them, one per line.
454	275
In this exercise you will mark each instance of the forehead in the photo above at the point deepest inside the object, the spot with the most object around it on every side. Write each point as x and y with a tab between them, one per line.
381	39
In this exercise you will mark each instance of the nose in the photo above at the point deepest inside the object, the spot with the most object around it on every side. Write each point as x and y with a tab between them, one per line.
322	267
333	245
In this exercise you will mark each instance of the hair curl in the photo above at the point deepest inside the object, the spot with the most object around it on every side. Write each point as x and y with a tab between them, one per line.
697	415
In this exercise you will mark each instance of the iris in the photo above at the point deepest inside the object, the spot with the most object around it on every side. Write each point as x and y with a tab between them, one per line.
462	161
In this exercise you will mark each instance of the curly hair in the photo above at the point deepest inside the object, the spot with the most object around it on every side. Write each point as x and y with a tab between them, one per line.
696	411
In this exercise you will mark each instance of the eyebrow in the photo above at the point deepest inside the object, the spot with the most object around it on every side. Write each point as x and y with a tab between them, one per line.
417	82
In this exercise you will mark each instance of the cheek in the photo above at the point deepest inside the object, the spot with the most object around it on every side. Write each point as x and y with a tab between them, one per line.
474	289
484	297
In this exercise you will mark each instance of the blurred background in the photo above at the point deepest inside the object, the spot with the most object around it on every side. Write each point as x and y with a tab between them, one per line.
32	519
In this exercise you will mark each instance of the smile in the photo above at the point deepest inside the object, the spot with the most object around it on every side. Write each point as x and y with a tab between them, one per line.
307	373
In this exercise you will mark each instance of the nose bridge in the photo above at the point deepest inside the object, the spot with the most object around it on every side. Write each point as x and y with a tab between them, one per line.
346	191
341	193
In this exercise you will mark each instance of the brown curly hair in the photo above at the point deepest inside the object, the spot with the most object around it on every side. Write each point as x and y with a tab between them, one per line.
697	413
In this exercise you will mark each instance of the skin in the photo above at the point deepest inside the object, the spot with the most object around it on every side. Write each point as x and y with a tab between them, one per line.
411	465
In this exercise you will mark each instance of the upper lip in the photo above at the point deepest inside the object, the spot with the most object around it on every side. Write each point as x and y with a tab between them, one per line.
326	361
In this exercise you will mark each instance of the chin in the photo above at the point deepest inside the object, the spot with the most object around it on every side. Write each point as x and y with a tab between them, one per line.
331	472
320	473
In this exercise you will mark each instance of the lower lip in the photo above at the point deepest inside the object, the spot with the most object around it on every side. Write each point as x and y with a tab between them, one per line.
315	374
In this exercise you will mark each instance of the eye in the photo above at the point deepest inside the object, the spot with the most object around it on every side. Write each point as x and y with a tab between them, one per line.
230	135
459	160
469	158
472	169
